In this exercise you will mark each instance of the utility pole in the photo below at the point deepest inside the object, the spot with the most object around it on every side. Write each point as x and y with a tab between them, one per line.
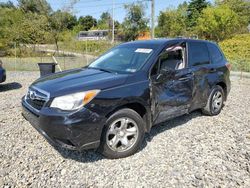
113	21
152	19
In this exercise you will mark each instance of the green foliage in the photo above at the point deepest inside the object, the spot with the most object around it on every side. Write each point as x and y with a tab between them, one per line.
35	6
58	22
194	10
63	20
86	23
9	20
32	30
218	23
241	7
89	47
105	21
135	21
172	23
237	51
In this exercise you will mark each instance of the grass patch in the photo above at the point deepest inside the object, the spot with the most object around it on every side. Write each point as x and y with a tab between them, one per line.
30	63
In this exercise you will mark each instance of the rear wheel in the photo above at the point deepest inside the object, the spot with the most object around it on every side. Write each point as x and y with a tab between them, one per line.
215	101
123	134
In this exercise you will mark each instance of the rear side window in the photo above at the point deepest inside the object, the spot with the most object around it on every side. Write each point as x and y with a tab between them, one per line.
215	53
198	54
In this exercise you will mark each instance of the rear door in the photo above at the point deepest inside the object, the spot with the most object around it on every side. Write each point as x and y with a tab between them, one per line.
219	65
171	97
199	63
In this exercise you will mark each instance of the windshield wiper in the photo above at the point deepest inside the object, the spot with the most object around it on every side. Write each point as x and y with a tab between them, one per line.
101	69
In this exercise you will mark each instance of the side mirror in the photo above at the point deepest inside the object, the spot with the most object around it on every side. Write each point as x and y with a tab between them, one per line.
165	74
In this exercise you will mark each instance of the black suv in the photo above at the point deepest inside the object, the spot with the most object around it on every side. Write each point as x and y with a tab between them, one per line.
111	103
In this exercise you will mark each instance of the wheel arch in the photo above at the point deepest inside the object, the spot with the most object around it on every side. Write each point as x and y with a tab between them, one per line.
224	87
138	107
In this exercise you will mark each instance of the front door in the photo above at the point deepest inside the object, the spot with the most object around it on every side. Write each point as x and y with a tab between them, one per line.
171	95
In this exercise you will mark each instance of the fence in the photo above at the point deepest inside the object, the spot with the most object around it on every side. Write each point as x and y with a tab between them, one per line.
30	63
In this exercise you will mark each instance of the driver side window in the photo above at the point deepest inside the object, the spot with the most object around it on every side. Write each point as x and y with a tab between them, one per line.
171	58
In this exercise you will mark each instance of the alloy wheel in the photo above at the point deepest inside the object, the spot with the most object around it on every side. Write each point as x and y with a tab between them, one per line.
122	134
217	101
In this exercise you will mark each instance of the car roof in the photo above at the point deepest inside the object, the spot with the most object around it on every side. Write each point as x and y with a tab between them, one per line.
163	41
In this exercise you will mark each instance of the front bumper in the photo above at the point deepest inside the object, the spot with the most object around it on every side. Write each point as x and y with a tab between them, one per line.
77	130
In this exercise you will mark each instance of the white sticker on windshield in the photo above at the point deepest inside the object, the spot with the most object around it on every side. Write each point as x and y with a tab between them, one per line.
131	70
143	50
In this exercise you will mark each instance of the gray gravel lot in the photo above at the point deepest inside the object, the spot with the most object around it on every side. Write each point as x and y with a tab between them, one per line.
189	151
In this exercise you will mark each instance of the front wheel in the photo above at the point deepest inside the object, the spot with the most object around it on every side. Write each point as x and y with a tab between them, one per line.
215	101
123	134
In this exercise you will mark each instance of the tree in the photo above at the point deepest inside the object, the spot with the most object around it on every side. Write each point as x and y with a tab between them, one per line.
218	23
33	29
57	25
87	22
9	19
194	10
8	4
65	19
135	21
241	7
171	23
117	24
35	6
105	21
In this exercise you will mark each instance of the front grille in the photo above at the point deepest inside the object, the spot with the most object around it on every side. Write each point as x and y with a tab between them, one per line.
37	104
36	99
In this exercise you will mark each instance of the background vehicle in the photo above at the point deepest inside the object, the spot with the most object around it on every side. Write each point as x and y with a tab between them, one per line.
93	35
110	104
2	72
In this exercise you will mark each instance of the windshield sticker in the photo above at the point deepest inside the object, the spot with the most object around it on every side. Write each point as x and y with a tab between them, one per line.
143	50
131	70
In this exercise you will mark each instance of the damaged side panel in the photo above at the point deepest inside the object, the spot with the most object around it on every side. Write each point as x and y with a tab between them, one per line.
172	97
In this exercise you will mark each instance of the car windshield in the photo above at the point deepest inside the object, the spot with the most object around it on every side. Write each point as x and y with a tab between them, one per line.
122	59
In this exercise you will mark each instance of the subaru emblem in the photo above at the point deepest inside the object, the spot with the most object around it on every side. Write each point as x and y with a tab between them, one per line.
32	95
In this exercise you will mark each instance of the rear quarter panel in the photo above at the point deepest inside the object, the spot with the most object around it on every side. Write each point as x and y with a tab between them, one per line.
222	75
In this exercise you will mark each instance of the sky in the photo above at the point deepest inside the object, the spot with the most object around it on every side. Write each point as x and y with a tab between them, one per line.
96	7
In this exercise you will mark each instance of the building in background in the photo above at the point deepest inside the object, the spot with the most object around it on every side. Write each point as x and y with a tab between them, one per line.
144	36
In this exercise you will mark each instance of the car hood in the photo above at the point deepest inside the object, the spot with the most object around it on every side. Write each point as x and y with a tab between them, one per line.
78	80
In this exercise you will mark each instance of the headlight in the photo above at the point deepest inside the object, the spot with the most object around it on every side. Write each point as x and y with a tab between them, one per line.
74	101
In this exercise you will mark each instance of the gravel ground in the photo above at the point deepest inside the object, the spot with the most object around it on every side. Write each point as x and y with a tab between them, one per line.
189	151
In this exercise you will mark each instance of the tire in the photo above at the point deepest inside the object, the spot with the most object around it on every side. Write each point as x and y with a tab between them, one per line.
214	107
122	135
